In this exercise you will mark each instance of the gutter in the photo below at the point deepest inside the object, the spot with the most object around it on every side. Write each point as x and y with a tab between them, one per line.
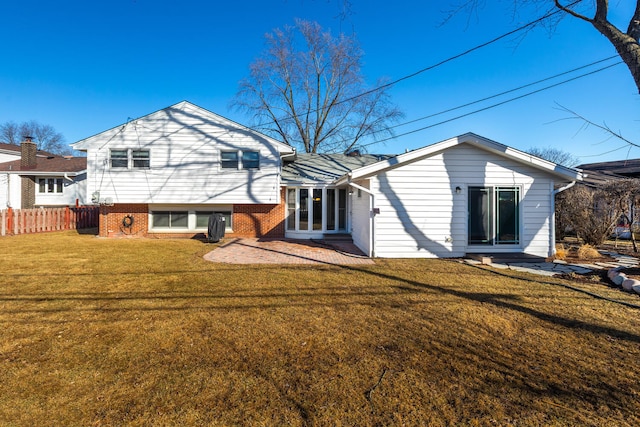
372	215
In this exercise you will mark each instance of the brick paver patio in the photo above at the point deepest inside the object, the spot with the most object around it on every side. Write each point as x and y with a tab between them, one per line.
284	251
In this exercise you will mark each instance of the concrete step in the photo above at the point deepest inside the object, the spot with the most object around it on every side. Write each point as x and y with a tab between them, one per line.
337	237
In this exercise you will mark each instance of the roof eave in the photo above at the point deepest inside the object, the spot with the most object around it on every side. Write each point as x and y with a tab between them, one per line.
559	171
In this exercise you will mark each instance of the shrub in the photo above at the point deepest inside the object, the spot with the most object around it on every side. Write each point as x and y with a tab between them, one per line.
588	252
561	251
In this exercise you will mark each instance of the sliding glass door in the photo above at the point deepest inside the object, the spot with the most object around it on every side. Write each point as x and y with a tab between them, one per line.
494	216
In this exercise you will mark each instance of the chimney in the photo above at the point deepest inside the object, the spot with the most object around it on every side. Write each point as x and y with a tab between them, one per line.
28	150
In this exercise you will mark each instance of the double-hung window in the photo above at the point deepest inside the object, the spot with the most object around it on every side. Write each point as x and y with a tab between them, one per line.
129	159
119	159
240	160
229	159
250	160
140	158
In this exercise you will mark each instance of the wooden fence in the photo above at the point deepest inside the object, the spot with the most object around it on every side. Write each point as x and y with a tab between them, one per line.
23	221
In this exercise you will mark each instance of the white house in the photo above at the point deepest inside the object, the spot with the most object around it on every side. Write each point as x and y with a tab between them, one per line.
464	195
168	171
165	173
30	178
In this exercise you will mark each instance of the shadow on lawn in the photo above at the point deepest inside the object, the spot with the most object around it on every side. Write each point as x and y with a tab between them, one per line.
301	297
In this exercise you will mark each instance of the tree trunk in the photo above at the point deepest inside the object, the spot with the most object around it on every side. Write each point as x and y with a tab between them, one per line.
627	47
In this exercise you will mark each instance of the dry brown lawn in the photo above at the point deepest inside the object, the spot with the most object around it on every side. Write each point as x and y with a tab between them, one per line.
102	332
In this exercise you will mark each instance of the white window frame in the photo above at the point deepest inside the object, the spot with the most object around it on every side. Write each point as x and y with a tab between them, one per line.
191	212
58	183
493	218
239	163
132	158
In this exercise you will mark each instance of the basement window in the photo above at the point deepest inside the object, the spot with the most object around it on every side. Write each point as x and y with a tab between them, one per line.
170	219
202	219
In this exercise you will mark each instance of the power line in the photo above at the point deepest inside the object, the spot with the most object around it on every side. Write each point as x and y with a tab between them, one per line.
490	106
503	93
433	66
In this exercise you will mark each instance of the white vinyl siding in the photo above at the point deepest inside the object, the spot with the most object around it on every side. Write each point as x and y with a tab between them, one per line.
185	143
66	192
421	215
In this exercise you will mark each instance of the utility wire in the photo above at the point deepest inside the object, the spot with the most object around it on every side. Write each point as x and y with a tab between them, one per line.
490	106
438	64
502	93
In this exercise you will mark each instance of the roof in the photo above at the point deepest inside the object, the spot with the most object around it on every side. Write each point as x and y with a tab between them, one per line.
313	168
180	110
48	165
559	171
627	168
17	149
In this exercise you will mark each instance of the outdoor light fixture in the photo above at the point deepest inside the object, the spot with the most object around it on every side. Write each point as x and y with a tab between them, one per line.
458	190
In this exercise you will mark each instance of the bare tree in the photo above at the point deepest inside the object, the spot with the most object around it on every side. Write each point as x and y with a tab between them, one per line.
555	155
45	136
593	12
308	90
594	211
625	42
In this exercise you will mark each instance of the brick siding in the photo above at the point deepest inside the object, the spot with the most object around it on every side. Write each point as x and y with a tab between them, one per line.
259	220
112	220
28	192
248	221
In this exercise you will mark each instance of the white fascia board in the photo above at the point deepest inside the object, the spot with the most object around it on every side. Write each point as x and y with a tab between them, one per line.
468	138
40	173
86	143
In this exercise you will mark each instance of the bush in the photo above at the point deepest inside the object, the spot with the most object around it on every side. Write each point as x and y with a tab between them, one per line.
561	251
588	252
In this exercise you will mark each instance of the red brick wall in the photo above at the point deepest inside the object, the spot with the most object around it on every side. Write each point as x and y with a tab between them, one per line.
248	221
111	220
259	220
28	192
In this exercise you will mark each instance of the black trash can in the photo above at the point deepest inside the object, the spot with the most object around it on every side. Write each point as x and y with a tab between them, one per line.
215	231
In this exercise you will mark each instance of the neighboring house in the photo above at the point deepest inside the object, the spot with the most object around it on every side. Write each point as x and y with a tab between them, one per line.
618	168
30	178
165	173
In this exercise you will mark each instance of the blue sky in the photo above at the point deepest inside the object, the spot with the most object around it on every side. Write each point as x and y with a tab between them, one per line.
87	66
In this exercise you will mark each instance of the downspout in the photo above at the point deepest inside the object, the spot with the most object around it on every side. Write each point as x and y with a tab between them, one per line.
372	215
553	214
280	166
9	189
